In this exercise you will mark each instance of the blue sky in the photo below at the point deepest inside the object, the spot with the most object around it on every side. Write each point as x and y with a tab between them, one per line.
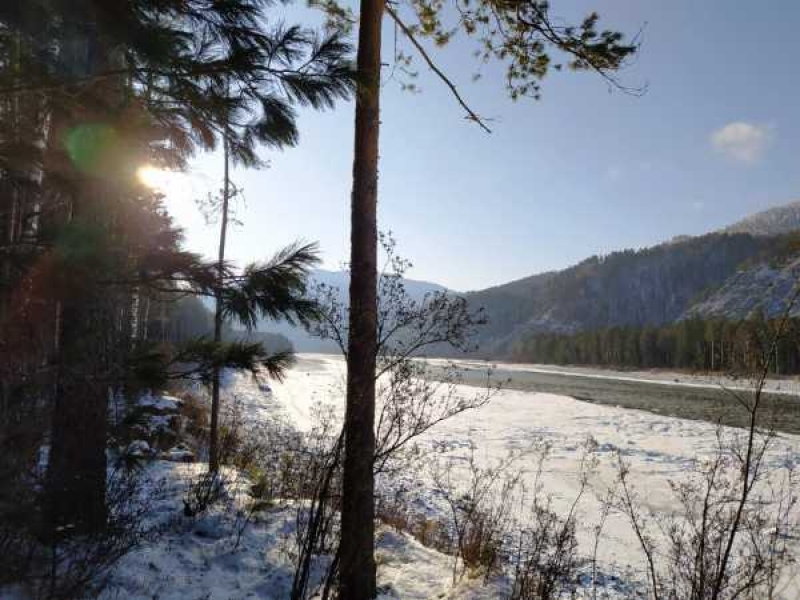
582	171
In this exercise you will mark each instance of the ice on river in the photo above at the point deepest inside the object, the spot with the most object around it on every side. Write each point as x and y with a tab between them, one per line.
656	448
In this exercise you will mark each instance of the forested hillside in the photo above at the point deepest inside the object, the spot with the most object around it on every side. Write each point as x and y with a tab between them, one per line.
665	306
721	275
763	288
653	286
727	274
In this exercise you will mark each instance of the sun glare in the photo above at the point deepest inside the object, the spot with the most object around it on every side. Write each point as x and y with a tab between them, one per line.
157	179
179	189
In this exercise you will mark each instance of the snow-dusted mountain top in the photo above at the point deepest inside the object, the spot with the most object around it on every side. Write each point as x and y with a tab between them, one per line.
773	221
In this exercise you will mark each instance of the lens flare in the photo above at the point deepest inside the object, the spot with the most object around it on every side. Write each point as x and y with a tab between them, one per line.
92	147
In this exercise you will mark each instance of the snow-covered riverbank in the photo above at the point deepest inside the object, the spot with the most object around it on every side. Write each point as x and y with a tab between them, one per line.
656	448
219	556
211	557
713	381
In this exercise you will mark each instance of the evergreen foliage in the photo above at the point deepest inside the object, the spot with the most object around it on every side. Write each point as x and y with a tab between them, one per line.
651	286
692	344
90	91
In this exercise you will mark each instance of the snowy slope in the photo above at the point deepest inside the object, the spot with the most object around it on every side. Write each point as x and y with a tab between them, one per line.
206	558
773	221
763	288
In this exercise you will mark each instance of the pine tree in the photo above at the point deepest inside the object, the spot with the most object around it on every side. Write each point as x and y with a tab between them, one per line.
123	83
519	34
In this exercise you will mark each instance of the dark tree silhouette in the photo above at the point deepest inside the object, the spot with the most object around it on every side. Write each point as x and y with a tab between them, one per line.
120	84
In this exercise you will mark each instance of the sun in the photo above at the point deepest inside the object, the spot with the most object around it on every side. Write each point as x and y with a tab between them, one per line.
179	190
157	179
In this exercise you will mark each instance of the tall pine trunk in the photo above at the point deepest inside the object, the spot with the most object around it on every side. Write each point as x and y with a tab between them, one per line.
357	563
77	465
213	444
76	474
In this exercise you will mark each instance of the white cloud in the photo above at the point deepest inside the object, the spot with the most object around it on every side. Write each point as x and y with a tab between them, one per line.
742	142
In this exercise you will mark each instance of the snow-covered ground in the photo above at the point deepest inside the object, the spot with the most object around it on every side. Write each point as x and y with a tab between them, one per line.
226	553
223	555
656	448
206	557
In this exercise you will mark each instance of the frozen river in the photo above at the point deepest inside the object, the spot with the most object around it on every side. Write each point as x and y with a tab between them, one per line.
657	447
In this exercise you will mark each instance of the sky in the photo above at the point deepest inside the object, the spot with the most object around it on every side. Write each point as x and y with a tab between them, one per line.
585	170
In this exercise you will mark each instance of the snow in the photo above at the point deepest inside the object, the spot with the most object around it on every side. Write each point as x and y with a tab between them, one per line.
657	448
205	557
198	557
212	556
159	402
138	449
409	570
178	453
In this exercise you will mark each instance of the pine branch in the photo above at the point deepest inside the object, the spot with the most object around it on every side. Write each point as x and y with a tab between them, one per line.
471	114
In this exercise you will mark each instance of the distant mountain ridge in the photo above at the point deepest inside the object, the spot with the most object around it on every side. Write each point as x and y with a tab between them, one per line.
748	266
341	281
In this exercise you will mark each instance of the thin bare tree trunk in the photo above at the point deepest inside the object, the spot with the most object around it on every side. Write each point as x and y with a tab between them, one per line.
213	445
357	560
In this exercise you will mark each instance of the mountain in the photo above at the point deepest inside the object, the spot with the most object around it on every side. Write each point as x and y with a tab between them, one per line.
730	273
340	282
751	265
646	287
773	221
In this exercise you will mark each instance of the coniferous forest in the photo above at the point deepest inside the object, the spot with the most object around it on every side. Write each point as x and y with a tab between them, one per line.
96	284
691	344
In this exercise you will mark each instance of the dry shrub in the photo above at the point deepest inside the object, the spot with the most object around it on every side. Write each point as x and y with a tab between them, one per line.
735	509
496	525
546	561
394	511
64	566
718	507
430	532
203	493
481	542
195	417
